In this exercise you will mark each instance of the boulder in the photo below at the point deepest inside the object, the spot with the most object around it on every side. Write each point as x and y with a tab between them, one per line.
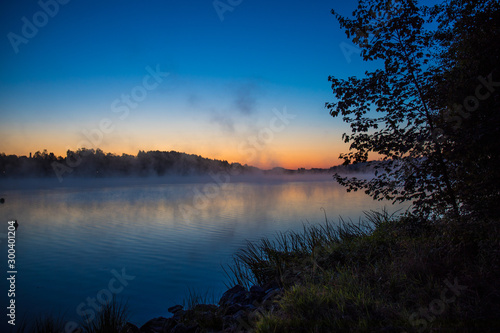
175	308
233	308
158	325
178	314
257	293
181	328
237	294
205	308
129	328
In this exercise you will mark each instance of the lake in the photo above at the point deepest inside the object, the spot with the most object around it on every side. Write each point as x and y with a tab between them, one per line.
149	241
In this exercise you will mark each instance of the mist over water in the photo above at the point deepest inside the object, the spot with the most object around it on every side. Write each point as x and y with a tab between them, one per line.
171	234
214	177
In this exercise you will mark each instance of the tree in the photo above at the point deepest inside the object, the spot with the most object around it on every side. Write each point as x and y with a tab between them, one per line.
399	111
468	97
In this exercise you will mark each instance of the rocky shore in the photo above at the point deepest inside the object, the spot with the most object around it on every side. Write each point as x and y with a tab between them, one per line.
236	309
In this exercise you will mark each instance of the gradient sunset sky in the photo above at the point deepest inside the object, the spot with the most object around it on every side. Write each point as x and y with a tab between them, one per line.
230	71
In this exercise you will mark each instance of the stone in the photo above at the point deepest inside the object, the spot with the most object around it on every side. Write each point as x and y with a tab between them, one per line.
233	308
175	308
178	314
181	328
256	289
205	308
257	293
237	294
240	316
158	325
129	328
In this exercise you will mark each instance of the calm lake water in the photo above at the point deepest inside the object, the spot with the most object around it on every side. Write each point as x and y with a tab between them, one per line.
170	236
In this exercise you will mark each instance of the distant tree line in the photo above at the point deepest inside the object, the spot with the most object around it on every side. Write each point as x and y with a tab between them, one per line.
96	163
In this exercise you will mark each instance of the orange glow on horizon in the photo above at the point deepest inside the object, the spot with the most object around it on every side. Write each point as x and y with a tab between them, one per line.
287	150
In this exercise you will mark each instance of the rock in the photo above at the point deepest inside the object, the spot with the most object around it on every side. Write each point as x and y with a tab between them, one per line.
233	308
237	322
209	320
256	289
175	308
229	324
240	316
181	328
257	293
158	325
178	314
205	308
129	328
237	294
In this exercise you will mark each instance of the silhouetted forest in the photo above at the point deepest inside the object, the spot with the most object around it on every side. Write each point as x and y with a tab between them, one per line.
96	163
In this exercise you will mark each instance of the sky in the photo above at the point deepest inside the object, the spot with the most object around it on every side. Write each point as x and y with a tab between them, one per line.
238	80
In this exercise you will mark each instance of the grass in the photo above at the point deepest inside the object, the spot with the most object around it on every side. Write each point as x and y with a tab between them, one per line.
195	297
110	319
41	324
49	324
270	259
386	274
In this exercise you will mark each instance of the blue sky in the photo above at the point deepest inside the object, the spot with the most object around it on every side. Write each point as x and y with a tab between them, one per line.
225	78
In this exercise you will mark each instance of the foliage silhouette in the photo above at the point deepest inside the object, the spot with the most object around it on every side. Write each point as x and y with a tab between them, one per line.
400	112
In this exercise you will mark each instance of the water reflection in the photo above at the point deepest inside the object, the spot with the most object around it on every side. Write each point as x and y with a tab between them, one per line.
70	239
